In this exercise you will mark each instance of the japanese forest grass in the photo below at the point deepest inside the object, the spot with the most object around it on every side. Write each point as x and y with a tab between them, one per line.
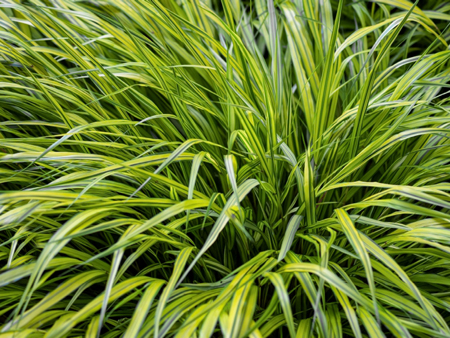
224	168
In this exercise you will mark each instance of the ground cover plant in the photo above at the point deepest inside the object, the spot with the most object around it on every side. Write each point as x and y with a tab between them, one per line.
190	168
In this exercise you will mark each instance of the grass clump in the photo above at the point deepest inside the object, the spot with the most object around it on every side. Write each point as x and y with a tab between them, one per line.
223	168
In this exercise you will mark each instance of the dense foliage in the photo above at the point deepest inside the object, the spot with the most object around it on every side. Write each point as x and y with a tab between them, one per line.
197	168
